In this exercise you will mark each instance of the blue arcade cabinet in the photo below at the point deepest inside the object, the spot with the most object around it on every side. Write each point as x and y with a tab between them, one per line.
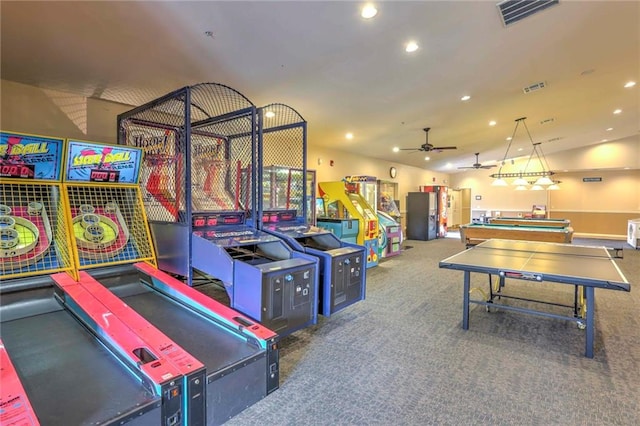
283	212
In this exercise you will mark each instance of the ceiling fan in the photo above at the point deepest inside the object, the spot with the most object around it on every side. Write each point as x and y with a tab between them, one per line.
477	164
427	147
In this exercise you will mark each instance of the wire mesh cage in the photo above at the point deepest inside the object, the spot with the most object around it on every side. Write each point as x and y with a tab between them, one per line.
282	153
199	145
34	237
159	131
108	224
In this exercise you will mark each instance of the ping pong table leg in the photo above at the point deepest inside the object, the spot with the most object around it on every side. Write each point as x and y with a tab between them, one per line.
465	302
591	329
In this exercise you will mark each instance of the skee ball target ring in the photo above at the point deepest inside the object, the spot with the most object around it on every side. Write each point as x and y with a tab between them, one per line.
34	208
95	239
8	238
89	219
19	238
94	233
7	222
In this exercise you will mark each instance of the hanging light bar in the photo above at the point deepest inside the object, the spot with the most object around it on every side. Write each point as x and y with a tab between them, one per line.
521	181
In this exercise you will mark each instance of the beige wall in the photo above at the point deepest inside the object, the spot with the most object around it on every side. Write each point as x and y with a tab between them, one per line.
29	109
619	191
600	208
344	164
503	199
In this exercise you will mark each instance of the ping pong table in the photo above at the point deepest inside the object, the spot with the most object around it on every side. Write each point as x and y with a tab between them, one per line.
586	268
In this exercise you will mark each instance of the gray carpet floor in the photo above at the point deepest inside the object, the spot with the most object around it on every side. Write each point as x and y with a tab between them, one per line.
401	357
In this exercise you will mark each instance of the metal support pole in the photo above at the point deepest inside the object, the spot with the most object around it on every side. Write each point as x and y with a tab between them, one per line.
465	303
591	329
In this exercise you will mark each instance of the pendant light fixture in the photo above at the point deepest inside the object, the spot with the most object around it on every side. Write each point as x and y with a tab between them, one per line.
521	177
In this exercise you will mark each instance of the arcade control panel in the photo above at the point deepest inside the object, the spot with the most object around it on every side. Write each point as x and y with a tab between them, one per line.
341	274
264	278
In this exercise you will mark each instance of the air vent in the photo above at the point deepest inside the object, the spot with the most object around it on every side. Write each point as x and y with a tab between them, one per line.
534	87
512	11
554	139
547	120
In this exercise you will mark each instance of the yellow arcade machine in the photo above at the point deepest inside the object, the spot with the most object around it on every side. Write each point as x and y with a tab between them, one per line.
346	203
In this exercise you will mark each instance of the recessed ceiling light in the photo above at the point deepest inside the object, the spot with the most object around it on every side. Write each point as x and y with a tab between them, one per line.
604	140
349	135
629	84
427	158
465	98
618	111
492	123
270	114
509	138
368	11
412	46
519	149
396	149
627	168
609	129
449	165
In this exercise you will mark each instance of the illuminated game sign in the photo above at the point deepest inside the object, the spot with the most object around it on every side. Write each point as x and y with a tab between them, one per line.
30	157
360	178
94	162
210	220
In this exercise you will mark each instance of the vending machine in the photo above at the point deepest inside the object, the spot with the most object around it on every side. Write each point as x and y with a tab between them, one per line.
441	207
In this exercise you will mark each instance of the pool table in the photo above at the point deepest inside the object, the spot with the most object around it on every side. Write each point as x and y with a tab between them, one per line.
521	221
474	233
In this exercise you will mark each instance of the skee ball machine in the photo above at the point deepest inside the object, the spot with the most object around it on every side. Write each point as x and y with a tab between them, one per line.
113	244
390	235
283	210
345	201
200	177
65	360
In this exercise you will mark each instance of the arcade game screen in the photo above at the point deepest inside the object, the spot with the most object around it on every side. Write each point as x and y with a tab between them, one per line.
320	207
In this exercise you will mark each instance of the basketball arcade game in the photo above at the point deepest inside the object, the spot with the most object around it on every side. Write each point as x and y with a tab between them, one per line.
65	359
347	204
242	369
200	186
284	206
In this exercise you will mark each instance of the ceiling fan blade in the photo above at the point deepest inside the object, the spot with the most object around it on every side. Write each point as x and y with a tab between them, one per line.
410	149
436	148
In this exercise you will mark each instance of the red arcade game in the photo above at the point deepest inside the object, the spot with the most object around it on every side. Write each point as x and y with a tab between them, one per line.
441	206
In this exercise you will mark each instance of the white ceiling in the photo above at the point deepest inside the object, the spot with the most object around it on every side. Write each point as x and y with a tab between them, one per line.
346	74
